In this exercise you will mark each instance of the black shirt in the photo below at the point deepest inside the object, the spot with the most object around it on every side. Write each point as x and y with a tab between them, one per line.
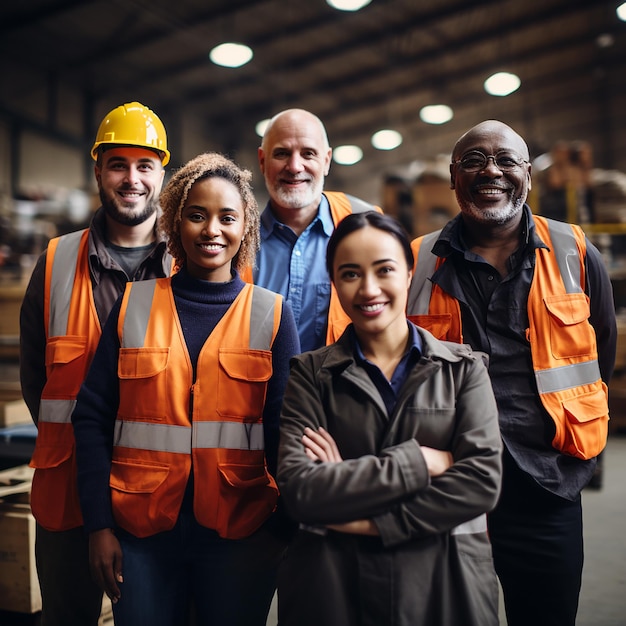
495	318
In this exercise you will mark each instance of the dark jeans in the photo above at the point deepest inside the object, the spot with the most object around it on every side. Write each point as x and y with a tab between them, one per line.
69	595
537	541
228	582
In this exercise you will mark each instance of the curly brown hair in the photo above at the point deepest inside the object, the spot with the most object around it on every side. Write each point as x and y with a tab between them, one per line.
174	196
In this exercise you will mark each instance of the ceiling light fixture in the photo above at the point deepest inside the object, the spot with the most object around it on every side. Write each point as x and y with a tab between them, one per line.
621	12
386	139
347	155
348	5
231	54
605	40
436	114
502	84
261	126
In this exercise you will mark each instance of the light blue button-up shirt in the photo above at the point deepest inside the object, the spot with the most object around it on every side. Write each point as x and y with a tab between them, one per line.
295	267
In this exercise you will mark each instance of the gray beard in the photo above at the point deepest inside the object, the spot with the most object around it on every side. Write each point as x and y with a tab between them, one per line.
299	199
494	216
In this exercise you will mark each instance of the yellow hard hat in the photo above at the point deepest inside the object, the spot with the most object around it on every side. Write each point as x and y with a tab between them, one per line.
132	124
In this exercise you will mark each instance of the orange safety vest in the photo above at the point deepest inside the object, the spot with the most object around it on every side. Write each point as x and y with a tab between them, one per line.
562	341
72	333
166	421
341	205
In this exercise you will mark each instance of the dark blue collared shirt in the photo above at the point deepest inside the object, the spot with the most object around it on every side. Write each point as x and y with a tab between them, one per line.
389	389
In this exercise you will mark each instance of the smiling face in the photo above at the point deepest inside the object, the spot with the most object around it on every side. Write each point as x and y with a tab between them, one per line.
212	228
491	196
129	181
294	159
372	278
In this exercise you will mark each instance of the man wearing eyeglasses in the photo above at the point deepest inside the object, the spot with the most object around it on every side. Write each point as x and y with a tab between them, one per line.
534	295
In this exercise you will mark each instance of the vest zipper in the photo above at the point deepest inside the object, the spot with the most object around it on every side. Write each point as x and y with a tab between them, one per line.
191	391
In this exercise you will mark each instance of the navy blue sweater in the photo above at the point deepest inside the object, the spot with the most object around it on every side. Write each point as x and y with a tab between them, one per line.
200	305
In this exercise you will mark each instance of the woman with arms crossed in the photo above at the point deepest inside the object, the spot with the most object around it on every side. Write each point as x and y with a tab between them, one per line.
389	458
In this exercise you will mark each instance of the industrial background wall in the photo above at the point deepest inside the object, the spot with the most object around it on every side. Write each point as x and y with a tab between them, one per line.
64	64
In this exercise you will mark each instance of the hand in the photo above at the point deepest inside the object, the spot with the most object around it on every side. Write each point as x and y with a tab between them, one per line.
437	461
105	561
320	446
357	527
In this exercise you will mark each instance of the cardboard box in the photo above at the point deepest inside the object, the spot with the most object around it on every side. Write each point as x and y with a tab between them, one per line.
19	587
14	413
11	296
10	391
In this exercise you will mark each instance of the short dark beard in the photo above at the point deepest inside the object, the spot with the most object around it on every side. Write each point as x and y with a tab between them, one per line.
112	210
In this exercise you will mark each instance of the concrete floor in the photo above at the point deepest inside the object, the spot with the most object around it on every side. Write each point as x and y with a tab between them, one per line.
603	594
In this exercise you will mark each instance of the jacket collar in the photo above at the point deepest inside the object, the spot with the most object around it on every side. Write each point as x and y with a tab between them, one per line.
340	355
269	222
100	259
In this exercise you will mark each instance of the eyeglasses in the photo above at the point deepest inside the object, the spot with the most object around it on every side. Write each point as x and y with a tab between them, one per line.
476	161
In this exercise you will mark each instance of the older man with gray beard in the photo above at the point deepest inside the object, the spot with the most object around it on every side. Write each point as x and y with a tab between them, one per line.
534	295
294	158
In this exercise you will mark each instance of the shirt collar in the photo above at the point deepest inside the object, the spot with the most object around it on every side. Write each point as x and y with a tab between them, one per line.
414	344
451	238
99	257
269	221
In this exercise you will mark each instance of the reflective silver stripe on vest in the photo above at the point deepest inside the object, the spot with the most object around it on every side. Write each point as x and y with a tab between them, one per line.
359	206
228	435
567	376
566	253
567	256
140	303
421	288
147	436
564	248
476	525
61	287
181	439
62	282
56	411
262	319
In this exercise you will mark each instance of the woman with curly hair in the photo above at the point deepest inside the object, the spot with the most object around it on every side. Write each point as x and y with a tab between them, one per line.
176	424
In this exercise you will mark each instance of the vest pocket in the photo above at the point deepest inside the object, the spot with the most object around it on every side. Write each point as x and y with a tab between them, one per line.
248	495
585	428
570	333
65	366
54	445
143	382
136	505
54	493
242	383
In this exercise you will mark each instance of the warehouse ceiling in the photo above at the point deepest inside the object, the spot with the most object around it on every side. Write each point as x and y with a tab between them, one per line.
359	72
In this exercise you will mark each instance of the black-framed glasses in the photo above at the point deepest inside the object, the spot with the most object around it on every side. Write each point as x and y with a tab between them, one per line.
476	161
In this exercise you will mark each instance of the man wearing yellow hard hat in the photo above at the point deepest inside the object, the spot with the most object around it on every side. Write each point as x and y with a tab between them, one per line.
76	281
